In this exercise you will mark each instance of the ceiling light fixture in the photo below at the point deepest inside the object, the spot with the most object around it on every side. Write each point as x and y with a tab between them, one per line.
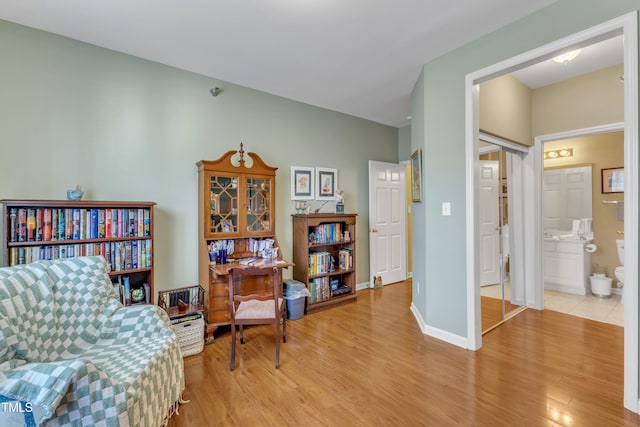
555	154
566	57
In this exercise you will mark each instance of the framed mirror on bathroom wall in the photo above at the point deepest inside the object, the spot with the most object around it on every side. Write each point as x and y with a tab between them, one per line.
613	180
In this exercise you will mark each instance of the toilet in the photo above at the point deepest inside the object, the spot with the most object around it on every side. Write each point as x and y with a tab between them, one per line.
619	271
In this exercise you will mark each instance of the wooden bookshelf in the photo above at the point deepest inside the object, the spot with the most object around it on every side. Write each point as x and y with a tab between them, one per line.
122	232
319	240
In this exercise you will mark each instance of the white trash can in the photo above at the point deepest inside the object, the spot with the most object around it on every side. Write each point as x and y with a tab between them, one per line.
601	286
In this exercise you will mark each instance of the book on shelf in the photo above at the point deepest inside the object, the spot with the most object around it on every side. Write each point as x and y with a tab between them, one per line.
39	224
22	225
107	223
127	290
134	254
47	223
31	225
345	258
101	227
13	228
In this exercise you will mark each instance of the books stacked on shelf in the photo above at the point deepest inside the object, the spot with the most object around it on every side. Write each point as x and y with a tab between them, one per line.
345	258
55	224
341	290
327	233
319	263
319	289
120	256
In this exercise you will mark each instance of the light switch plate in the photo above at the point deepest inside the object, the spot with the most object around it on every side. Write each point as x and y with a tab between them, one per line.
446	209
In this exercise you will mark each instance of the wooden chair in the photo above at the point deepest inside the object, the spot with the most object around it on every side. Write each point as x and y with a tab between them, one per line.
256	309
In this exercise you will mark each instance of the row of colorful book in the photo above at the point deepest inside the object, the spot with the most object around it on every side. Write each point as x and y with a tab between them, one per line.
319	263
327	233
55	224
120	256
319	289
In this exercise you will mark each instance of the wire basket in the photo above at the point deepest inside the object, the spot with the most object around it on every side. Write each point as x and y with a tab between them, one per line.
181	301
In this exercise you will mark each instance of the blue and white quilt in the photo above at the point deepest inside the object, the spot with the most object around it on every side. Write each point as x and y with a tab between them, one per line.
71	354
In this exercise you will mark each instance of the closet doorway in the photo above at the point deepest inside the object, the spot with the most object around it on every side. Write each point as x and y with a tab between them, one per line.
496	303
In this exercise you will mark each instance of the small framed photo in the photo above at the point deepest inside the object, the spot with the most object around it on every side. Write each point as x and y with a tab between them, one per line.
416	176
326	183
613	180
302	183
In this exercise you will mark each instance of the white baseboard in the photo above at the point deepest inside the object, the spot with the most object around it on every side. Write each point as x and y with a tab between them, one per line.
445	336
365	285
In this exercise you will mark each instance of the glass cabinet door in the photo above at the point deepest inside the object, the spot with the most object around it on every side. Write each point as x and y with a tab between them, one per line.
223	199
259	204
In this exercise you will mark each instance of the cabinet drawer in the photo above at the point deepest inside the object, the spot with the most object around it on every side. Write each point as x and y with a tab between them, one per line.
219	316
219	303
219	289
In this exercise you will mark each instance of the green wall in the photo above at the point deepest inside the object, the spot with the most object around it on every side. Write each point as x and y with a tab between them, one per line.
438	124
404	143
125	128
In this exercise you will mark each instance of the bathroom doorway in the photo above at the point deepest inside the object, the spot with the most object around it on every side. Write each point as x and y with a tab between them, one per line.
568	289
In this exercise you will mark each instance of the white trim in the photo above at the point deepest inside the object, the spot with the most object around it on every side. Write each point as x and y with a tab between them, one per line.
496	140
445	336
364	285
531	226
472	165
631	176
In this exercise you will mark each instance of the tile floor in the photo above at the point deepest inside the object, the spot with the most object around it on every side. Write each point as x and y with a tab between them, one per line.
606	310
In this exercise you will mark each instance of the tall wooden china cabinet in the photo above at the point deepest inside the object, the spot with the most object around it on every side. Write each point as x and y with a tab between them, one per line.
237	195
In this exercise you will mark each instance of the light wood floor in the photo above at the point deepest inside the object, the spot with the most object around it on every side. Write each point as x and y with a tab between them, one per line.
368	364
491	311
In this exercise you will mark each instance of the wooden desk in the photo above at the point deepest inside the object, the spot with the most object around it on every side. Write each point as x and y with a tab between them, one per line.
219	309
223	269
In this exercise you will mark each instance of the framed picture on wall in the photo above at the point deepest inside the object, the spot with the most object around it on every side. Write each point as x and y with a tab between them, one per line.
613	180
416	176
302	183
326	183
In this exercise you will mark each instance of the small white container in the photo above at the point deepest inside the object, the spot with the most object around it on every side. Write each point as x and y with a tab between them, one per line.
601	286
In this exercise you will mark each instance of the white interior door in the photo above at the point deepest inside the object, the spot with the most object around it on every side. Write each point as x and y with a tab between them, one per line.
489	222
387	222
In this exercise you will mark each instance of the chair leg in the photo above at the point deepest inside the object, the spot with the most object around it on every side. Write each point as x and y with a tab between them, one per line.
241	334
277	343
233	346
284	325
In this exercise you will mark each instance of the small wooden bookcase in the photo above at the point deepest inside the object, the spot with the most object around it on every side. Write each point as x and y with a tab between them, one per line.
324	254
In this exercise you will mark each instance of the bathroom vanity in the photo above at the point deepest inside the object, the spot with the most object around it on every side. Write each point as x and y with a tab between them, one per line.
567	265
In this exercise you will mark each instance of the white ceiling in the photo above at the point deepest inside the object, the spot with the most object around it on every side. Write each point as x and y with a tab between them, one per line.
360	57
594	57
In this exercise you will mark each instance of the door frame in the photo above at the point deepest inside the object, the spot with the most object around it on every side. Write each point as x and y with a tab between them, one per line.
529	172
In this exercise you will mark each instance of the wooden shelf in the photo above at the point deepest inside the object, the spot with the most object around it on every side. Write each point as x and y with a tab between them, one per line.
12	249
331	227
